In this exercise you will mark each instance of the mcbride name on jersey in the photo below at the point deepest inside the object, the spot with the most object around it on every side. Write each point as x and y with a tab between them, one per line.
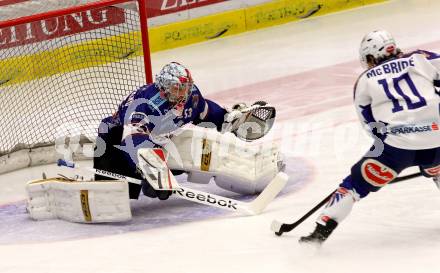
146	114
400	94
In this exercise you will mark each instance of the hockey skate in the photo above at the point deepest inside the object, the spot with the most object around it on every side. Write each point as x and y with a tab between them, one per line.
320	234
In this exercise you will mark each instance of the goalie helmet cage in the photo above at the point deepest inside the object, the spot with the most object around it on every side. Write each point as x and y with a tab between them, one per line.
62	71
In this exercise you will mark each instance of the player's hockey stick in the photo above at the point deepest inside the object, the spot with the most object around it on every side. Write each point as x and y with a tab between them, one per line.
279	228
251	208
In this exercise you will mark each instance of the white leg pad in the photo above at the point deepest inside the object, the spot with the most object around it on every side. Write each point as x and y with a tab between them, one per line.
339	206
234	165
82	202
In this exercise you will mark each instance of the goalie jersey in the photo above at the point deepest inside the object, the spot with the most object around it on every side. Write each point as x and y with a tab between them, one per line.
147	116
401	94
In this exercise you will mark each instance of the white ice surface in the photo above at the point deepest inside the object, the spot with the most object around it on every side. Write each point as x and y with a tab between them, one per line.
307	69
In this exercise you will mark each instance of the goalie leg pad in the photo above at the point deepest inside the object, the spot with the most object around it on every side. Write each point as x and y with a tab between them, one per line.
234	165
78	201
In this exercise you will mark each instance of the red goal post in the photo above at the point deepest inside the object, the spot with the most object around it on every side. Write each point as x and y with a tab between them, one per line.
64	70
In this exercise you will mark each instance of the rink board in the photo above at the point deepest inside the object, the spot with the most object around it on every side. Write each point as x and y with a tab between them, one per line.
171	36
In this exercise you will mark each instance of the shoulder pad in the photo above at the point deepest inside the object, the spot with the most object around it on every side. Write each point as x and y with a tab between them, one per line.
150	95
357	82
428	54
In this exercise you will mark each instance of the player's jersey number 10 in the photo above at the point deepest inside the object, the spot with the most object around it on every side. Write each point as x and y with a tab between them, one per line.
396	89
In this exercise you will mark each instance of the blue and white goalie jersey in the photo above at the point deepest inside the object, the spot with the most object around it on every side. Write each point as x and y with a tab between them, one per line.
401	94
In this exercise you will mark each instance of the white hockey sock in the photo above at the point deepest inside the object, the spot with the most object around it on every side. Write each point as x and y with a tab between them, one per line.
339	206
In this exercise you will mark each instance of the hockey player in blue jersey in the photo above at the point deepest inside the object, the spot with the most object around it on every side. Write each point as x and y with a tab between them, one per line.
397	100
147	117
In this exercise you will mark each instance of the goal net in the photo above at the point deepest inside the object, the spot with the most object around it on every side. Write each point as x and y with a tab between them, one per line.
63	70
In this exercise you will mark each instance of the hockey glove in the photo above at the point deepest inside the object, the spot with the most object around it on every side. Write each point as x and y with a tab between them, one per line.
250	123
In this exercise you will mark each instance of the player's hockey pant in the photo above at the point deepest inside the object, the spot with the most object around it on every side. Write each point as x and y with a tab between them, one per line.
109	158
372	173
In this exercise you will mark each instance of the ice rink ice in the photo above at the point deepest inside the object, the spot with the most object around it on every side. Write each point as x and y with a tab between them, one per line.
306	69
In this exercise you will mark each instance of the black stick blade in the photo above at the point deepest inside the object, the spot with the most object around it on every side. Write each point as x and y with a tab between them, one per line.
277	227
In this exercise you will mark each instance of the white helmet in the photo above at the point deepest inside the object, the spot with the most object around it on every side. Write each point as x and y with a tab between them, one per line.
380	45
175	81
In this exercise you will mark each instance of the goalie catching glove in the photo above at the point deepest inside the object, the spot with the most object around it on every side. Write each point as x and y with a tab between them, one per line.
250	123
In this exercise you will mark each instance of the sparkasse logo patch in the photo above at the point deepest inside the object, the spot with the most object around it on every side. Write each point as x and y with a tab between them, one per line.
413	129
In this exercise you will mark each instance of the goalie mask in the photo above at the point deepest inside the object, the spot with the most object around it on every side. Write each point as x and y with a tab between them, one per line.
175	81
377	47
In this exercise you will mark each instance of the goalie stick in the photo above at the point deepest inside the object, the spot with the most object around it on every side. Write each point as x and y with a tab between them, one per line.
279	228
251	208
